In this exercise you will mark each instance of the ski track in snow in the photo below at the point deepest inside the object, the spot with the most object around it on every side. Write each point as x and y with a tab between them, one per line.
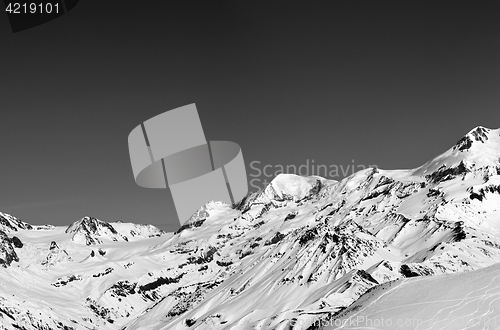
478	308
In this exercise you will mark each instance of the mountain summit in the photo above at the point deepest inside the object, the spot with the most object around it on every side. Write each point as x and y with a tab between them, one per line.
479	148
94	231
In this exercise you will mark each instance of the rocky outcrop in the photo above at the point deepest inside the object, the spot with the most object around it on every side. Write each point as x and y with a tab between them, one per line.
56	255
92	231
9	223
7	252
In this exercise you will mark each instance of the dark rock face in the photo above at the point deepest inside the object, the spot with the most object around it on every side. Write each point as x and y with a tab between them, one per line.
480	134
133	233
53	246
55	255
275	239
9	223
407	271
105	272
463	144
160	281
7	252
309	235
244	204
481	194
122	289
459	233
366	276
63	281
315	189
205	257
93	231
290	216
196	220
91	225
17	242
190	225
435	193
413	270
102	312
90	229
444	173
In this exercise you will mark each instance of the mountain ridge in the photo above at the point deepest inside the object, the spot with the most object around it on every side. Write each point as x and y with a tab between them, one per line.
298	252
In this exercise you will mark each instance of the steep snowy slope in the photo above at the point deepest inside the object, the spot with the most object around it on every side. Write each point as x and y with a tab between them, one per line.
459	301
9	224
300	251
478	148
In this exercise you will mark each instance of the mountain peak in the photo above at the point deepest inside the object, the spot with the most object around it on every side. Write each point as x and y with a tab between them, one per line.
293	187
89	224
9	223
475	137
480	145
90	230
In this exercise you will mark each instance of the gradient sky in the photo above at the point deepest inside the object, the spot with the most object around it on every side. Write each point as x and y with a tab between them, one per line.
375	82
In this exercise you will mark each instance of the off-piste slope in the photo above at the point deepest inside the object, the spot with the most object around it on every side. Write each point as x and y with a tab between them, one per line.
468	300
300	251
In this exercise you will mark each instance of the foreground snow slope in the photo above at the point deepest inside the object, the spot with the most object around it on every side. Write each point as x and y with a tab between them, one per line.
300	251
459	301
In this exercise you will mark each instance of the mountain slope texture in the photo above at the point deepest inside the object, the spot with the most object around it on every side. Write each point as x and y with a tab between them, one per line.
416	249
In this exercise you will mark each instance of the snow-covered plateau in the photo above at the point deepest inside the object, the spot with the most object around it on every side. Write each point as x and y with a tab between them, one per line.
380	249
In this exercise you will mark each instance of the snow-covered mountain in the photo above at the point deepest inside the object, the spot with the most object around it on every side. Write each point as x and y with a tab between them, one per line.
92	231
299	254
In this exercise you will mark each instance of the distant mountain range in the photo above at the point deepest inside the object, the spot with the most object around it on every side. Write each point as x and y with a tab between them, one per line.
303	253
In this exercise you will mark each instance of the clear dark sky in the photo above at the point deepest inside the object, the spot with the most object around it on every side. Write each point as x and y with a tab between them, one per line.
374	82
